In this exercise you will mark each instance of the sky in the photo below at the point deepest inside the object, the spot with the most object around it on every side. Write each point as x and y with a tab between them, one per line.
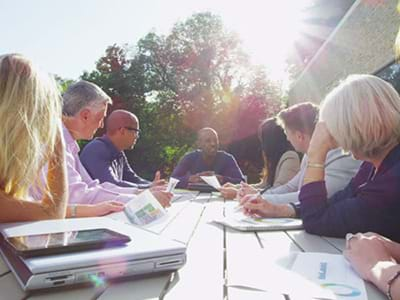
67	37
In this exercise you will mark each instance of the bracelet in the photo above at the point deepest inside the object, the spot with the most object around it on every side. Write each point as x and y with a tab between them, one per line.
310	179
73	211
390	283
315	165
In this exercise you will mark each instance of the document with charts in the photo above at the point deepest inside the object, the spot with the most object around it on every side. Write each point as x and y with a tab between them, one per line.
144	209
331	271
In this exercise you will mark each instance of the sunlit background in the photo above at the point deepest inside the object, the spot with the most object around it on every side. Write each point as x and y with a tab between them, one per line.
66	37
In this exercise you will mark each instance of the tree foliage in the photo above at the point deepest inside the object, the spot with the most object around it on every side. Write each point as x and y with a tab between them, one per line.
196	76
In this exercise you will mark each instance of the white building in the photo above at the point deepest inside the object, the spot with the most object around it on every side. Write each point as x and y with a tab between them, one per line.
363	42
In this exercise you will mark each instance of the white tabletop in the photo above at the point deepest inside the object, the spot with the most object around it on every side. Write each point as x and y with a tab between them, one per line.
214	258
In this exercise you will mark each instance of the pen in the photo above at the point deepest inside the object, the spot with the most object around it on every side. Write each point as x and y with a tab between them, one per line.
239	206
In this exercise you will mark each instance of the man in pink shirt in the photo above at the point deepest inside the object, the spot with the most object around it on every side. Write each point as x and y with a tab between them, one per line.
84	109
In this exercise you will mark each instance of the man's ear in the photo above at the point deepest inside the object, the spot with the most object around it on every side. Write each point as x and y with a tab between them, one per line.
300	135
84	114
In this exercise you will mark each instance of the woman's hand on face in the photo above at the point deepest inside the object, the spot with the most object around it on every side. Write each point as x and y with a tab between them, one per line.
321	141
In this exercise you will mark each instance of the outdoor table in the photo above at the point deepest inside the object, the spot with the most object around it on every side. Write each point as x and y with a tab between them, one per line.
213	255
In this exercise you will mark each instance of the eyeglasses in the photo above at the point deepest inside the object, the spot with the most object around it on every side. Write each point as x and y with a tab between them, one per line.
137	131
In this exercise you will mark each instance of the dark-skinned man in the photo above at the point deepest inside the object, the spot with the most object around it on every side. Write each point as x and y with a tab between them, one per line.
207	161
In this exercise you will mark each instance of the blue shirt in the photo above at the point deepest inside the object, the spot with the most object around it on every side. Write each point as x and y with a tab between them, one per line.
193	163
368	203
105	162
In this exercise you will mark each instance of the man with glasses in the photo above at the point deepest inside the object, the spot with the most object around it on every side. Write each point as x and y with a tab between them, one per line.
104	157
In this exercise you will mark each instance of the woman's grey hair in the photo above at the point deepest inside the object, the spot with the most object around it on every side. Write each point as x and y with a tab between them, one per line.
363	115
83	94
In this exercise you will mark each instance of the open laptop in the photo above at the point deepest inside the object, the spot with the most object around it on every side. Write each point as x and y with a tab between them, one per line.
146	253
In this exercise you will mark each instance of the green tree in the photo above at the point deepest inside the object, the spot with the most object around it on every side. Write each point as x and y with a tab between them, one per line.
196	76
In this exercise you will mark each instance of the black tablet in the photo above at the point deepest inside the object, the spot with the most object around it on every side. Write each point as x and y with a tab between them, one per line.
65	242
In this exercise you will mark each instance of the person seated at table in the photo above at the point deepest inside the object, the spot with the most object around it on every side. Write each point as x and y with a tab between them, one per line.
281	162
104	157
30	134
361	115
84	109
207	161
376	259
299	121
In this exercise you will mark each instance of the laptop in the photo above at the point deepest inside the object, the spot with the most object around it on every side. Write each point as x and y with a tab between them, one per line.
146	253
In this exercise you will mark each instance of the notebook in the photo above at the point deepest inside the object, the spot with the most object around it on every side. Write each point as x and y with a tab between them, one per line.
146	253
243	223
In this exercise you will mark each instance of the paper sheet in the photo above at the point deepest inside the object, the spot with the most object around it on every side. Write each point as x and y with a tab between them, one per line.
332	271
172	184
212	180
242	222
144	209
261	271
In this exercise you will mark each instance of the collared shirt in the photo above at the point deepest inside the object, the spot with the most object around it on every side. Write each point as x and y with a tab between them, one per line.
193	163
81	187
105	162
370	202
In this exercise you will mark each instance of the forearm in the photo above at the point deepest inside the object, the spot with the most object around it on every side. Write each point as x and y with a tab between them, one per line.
285	211
16	210
381	273
315	170
81	211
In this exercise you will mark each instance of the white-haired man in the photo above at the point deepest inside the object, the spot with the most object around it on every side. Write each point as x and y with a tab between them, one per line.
84	109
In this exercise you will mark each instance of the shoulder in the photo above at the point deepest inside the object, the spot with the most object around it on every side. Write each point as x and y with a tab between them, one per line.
224	154
97	146
290	155
337	157
191	155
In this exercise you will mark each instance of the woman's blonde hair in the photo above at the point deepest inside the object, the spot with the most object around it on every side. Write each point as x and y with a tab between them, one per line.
363	115
30	116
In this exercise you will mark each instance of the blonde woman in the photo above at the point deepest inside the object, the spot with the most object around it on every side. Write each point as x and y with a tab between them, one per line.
362	116
30	135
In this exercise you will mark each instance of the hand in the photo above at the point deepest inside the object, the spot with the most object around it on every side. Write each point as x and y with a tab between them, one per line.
367	254
105	208
246	189
158	188
163	197
321	142
157	181
228	192
230	185
254	205
392	247
195	179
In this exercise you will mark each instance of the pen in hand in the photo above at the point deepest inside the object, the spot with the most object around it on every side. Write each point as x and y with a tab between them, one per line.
250	198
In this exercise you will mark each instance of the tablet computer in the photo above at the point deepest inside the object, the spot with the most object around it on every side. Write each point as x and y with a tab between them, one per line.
65	242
